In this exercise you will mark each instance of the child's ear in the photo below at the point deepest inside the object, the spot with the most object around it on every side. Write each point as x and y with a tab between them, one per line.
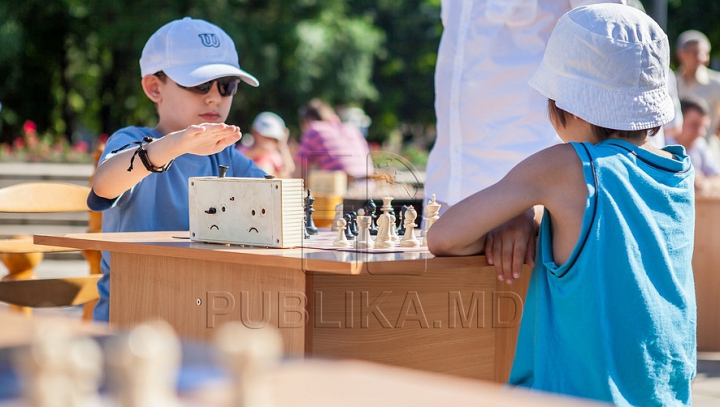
151	85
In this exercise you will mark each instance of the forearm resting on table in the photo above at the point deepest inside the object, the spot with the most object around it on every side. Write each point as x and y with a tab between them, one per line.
447	241
463	228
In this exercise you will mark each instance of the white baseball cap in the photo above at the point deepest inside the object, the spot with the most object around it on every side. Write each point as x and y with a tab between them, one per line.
270	125
608	64
191	52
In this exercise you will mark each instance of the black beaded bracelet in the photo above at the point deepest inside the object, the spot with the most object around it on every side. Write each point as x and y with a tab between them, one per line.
142	152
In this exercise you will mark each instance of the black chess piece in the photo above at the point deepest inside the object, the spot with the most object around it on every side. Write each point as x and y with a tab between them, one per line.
306	235
401	227
348	220
353	225
310	227
370	209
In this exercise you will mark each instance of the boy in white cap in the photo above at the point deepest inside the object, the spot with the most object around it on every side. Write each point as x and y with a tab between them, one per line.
269	149
190	70
610	312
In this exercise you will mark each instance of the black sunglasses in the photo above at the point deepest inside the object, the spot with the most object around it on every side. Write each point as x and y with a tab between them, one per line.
227	86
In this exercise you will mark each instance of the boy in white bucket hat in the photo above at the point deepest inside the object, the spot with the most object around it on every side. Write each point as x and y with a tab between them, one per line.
190	70
610	310
270	150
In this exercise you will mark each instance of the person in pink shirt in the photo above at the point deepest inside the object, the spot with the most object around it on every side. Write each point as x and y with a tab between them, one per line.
329	144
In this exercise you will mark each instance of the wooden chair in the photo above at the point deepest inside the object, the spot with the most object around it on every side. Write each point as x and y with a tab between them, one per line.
20	287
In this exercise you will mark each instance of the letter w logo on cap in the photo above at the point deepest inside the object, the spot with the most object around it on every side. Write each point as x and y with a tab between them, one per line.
209	40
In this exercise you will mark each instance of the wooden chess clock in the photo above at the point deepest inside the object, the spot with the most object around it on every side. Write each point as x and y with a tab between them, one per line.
246	211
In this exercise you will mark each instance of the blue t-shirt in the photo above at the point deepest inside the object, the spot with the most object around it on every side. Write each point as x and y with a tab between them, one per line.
616	322
160	201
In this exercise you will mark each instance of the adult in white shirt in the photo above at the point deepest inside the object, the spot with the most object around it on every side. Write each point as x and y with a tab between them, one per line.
488	117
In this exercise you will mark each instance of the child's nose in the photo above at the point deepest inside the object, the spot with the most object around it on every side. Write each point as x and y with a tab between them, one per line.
214	93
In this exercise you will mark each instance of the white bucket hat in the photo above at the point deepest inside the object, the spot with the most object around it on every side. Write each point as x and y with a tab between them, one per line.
192	52
608	64
270	125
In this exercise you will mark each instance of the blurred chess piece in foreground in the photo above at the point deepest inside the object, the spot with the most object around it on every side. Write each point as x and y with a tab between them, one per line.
249	355
144	365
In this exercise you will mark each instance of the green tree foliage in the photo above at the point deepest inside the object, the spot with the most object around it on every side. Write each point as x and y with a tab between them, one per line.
72	65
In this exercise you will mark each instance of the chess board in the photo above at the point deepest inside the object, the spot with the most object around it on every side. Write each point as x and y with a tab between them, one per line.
325	237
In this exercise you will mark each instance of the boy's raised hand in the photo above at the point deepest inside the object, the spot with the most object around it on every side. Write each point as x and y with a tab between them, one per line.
205	138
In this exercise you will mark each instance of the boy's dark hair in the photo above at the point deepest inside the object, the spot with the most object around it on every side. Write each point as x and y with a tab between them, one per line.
161	75
691	103
601	133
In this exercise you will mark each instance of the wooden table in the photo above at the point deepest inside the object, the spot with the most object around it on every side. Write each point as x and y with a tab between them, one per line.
292	383
18	329
706	261
440	314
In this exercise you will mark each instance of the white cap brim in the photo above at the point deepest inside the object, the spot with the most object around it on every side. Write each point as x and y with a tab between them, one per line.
194	75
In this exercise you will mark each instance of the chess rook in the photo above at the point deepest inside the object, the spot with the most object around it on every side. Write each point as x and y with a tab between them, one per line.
364	240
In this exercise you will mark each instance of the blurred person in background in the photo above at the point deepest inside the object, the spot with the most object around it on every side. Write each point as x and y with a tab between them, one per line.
696	121
331	145
696	80
269	149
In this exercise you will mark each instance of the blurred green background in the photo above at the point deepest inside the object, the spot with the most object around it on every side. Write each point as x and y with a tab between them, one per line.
71	66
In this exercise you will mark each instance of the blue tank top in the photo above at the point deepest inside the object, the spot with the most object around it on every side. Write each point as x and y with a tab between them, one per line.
616	322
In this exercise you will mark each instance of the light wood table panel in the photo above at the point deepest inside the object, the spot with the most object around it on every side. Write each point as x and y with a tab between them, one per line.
406	309
706	268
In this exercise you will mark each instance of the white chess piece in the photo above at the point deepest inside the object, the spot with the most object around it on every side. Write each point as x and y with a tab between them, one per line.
144	366
409	239
43	368
338	215
384	240
431	216
85	362
364	241
341	239
393	229
387	208
249	354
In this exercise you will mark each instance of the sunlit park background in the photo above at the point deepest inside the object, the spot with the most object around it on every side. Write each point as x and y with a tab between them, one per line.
69	71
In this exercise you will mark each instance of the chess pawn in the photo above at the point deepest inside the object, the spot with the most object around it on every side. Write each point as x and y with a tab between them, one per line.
338	216
341	239
409	239
364	241
309	209
384	240
431	216
249	354
370	209
144	366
